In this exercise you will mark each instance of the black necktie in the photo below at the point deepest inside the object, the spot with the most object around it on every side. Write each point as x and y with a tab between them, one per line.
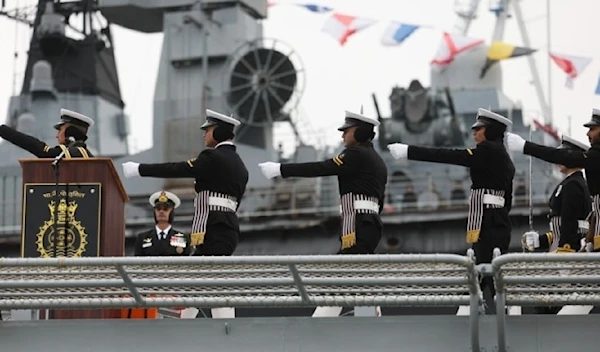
163	235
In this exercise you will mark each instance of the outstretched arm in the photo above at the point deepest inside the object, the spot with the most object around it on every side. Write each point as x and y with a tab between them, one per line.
29	143
346	162
462	157
189	168
568	157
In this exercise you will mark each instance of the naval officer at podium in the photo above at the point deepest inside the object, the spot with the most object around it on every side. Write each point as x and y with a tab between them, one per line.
71	136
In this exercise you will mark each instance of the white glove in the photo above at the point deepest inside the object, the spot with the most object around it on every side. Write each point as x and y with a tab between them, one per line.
531	240
514	142
131	169
398	150
582	245
270	169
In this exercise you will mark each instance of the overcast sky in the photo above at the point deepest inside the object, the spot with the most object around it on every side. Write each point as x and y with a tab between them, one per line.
351	73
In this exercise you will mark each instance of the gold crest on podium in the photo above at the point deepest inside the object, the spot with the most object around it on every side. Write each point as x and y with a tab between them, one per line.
64	238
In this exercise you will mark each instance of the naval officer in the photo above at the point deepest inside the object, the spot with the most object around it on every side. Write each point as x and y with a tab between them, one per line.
572	158
570	205
163	240
492	172
71	136
362	177
220	182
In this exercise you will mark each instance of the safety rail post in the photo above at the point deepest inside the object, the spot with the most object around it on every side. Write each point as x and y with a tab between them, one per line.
500	304
476	300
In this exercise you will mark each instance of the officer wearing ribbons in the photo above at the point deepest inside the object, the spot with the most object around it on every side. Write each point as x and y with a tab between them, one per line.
570	205
573	158
362	177
492	172
163	240
71	136
220	182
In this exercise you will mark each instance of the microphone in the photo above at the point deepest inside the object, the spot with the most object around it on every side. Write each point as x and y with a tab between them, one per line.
62	154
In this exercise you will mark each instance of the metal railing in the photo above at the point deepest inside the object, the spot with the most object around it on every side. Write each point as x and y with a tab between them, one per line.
409	280
543	279
250	281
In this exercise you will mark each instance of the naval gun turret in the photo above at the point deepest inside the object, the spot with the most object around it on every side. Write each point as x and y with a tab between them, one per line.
420	115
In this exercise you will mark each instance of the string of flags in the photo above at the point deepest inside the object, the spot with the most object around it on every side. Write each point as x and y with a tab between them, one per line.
342	27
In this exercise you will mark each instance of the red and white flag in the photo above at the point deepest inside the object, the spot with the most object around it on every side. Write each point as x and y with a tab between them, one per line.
451	46
341	26
571	65
548	128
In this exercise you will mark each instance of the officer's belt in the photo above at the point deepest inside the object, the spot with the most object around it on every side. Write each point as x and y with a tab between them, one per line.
582	225
368	205
222	202
205	202
479	200
352	204
491	199
555	223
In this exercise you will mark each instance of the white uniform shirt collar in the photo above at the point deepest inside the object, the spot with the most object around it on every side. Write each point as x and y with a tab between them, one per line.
223	143
166	231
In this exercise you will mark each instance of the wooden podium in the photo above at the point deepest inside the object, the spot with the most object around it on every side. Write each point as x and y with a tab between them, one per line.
79	214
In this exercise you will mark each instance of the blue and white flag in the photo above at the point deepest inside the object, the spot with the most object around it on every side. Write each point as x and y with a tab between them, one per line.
397	32
316	8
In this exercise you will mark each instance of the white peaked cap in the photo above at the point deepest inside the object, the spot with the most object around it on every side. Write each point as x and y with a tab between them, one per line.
221	117
574	142
69	116
353	115
486	114
164	197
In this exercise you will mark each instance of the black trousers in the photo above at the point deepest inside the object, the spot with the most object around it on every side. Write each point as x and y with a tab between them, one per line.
489	239
368	234
219	239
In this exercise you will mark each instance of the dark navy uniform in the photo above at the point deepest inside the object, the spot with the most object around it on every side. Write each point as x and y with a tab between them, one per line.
492	172
75	133
172	243
571	158
167	241
362	177
570	206
220	183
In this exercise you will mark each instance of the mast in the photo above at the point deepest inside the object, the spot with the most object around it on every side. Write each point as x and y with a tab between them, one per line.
545	105
548	119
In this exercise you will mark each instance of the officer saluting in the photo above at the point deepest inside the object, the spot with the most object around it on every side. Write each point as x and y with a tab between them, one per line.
362	176
220	182
163	240
71	136
492	172
570	205
589	160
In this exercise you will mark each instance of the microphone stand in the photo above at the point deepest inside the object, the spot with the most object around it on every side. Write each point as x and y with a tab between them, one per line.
57	193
